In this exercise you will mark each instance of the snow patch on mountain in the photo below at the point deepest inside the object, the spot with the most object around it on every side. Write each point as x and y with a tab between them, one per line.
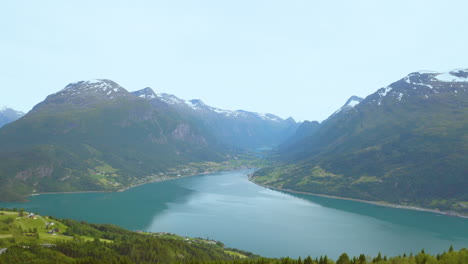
384	91
400	96
100	86
453	76
170	99
351	103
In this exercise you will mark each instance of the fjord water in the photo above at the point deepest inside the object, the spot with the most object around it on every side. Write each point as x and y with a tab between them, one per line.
227	207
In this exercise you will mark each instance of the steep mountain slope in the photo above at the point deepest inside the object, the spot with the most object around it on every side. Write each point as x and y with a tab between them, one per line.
95	135
406	143
242	129
8	115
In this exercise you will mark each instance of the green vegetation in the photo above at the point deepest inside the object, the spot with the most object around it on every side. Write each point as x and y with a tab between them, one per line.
84	140
33	239
39	239
410	152
108	145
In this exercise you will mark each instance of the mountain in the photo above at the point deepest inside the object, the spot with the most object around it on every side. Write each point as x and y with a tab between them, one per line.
95	135
406	143
350	104
242	129
8	115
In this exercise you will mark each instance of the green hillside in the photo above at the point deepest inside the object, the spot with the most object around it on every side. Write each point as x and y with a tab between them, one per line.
31	238
406	144
97	136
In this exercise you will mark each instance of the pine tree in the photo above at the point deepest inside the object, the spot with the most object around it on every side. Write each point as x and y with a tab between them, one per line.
343	259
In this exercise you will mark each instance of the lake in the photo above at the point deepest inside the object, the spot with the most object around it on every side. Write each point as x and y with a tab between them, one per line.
227	207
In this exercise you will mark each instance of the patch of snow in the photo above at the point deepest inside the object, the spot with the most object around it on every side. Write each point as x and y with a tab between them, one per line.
221	111
169	99
385	91
94	81
353	103
425	71
400	96
191	105
449	77
268	117
423	84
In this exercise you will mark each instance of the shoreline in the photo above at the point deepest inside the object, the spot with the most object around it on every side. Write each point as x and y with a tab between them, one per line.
383	204
123	189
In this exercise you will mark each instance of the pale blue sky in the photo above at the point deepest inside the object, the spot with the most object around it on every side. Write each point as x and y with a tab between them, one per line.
291	58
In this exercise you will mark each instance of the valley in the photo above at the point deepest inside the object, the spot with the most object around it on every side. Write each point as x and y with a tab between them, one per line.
96	152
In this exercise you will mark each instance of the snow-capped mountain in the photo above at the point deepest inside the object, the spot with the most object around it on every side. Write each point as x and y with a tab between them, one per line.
199	105
238	128
423	84
8	115
405	142
146	93
86	93
350	104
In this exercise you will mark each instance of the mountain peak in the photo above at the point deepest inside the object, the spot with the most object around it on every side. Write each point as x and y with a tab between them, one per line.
423	84
98	86
103	83
353	101
84	93
350	104
145	93
8	115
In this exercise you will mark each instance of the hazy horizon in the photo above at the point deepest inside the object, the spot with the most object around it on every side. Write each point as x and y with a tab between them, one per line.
300	59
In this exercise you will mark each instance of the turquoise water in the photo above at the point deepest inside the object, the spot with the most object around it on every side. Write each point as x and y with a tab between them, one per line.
227	207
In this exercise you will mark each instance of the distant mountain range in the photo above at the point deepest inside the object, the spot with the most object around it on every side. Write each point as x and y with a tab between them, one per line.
406	143
8	115
242	129
95	135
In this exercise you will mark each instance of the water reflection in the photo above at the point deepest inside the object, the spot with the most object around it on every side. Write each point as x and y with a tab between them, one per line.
133	209
450	227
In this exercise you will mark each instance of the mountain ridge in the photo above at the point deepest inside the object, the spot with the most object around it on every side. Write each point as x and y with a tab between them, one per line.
239	128
8	115
405	143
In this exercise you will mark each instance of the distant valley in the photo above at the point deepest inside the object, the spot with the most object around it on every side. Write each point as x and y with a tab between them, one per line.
405	144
